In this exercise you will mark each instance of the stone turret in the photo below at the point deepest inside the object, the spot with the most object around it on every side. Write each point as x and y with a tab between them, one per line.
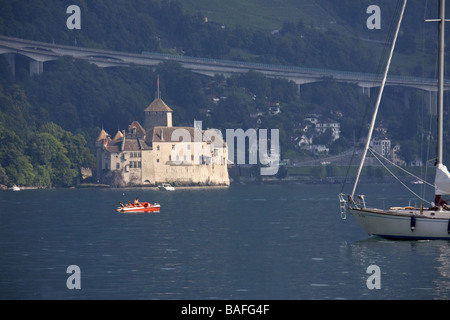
157	114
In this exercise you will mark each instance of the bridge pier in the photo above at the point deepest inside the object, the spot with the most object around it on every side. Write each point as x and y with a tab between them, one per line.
11	58
431	101
36	67
366	91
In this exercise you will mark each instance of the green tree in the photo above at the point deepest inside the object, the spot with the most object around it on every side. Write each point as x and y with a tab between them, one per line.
332	170
257	83
62	173
3	176
319	171
408	150
50	156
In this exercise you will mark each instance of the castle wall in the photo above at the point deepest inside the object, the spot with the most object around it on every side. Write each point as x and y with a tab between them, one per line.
184	164
173	162
194	174
148	167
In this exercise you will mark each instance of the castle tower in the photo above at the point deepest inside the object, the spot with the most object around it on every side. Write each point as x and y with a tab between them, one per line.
100	144
157	114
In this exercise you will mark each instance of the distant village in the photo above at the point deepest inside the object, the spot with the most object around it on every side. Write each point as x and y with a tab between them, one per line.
315	125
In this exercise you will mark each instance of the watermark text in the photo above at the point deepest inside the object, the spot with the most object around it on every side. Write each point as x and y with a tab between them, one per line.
74	20
74	280
374	21
191	150
374	280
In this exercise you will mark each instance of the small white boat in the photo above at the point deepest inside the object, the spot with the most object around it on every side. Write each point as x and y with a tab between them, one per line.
166	187
15	188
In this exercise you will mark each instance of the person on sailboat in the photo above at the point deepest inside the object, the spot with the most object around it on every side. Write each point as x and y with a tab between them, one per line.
440	202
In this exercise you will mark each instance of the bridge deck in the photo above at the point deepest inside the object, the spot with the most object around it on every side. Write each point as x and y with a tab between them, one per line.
42	52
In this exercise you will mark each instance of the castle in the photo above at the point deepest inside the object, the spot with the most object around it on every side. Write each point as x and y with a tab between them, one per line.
159	152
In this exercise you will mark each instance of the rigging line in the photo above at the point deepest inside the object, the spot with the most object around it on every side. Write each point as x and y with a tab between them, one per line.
430	100
391	32
424	103
380	94
403	184
425	11
397	166
380	66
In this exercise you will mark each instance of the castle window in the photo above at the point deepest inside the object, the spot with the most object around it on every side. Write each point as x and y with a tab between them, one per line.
157	160
117	165
139	164
157	148
173	147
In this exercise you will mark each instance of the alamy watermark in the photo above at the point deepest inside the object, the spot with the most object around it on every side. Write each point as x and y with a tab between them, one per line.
74	20
74	280
259	145
374	21
374	280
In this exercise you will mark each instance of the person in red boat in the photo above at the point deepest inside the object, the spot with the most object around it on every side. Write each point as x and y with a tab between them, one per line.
137	203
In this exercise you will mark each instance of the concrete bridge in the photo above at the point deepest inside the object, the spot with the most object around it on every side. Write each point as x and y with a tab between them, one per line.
40	52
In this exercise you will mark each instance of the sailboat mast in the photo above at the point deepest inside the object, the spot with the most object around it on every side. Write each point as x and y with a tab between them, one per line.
440	111
380	93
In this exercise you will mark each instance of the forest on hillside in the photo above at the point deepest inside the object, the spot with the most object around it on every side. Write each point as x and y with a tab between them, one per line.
48	122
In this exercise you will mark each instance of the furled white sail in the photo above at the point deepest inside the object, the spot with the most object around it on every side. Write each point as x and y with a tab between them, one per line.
442	180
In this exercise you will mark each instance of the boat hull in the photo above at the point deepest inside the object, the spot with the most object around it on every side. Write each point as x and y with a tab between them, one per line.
166	188
392	225
140	209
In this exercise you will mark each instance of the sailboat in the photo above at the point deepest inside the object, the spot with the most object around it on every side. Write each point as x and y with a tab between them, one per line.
407	222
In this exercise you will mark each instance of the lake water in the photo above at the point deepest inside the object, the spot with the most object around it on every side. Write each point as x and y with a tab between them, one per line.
252	242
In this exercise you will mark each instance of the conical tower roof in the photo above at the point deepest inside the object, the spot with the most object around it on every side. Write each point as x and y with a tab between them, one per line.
103	135
118	136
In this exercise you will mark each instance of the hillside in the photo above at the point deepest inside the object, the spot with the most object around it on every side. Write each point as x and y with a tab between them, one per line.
62	110
311	33
265	15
